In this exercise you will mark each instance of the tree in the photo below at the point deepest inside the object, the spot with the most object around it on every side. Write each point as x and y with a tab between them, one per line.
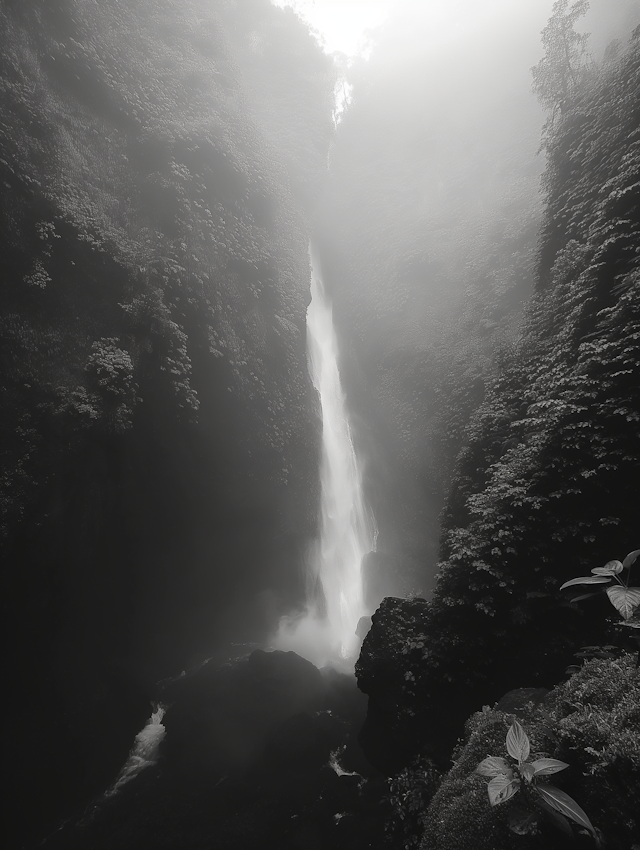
566	60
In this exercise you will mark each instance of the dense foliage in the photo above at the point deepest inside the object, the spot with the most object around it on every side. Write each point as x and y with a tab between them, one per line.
547	480
158	161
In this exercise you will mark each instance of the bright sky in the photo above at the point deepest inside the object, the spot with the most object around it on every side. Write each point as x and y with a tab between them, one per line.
341	23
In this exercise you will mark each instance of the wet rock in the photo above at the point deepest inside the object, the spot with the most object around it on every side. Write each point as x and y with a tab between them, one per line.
298	739
220	718
404	716
381	672
258	753
305	837
342	695
285	680
364	624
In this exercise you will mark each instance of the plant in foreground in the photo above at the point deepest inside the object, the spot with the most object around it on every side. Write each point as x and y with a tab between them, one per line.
543	800
624	599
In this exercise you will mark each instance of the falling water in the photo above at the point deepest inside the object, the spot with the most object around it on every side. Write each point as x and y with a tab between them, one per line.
327	631
144	752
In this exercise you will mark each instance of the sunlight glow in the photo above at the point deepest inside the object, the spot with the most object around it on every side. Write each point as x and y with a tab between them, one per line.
342	24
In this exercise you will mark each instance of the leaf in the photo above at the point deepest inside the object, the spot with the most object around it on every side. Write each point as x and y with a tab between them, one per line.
527	772
501	788
566	805
624	599
517	742
556	818
492	766
610	568
633	623
586	580
584	596
545	767
630	559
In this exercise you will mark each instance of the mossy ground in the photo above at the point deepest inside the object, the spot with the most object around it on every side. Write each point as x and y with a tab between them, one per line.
591	721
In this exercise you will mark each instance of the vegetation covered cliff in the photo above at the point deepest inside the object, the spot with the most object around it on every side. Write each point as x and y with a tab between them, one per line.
161	164
545	485
159	431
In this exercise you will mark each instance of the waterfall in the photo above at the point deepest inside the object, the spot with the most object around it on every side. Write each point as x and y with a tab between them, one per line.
327	630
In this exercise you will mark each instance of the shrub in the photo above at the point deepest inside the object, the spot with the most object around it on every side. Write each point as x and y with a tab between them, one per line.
410	792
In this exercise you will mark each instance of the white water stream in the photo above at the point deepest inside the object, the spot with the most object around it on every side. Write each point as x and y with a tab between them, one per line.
144	752
327	630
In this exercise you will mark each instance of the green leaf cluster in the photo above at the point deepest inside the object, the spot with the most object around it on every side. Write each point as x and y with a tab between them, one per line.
507	779
624	599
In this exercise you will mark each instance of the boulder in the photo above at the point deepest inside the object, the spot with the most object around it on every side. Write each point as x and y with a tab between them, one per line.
388	671
221	717
406	717
299	739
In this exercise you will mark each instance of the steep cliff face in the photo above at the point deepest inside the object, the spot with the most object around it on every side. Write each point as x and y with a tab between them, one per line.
158	424
545	488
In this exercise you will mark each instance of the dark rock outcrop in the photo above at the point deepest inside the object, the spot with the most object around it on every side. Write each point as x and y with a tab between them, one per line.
407	716
517	700
221	718
258	753
402	719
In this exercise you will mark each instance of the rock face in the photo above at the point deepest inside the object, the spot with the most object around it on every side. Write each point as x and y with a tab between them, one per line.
407	716
516	701
402	720
221	719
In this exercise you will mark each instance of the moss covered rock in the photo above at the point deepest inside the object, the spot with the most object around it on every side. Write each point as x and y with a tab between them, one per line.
592	722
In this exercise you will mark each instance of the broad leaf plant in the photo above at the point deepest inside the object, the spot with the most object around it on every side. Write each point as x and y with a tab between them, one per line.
508	777
625	599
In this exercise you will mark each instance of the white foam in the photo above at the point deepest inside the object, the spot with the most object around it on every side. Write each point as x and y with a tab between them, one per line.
144	752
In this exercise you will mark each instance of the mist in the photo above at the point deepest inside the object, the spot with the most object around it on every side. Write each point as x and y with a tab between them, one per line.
318	381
